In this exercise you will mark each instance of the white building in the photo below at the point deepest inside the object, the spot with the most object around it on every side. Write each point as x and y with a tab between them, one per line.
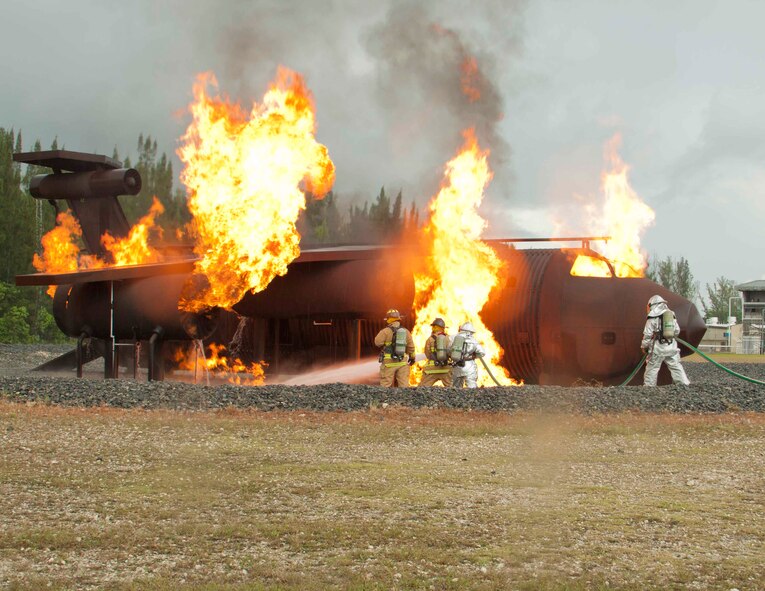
753	296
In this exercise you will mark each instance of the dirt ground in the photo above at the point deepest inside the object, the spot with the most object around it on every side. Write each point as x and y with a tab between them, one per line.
390	498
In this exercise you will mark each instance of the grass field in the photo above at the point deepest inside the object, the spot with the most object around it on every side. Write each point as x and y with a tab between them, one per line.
387	499
726	358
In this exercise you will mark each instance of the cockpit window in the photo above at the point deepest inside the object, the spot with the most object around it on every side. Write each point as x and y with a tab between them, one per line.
587	266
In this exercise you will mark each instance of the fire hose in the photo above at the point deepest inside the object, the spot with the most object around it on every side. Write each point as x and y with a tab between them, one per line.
730	371
704	355
489	372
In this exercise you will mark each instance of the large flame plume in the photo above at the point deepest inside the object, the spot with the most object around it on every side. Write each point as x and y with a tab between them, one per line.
461	270
625	217
246	173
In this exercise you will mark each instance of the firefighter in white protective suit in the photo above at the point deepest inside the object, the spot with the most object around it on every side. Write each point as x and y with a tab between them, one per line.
659	342
463	351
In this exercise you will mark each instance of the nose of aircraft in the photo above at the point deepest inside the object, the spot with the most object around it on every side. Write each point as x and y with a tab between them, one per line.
692	325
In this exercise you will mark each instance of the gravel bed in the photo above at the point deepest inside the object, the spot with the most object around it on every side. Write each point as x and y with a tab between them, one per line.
712	390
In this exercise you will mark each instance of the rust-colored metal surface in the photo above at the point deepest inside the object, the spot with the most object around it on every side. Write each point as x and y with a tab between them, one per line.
360	288
555	328
130	309
95	184
107	274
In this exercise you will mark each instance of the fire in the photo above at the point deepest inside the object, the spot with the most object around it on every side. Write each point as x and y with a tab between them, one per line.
461	269
62	252
246	173
587	266
135	248
220	365
625	217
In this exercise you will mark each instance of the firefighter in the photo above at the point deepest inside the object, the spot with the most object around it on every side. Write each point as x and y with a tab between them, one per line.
659	342
463	353
396	352
437	367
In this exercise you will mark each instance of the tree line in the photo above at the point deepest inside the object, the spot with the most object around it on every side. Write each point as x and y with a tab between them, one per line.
676	276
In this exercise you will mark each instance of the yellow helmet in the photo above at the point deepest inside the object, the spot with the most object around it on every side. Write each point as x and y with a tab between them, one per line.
392	314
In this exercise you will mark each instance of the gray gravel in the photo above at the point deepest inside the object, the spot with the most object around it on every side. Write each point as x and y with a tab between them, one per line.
712	390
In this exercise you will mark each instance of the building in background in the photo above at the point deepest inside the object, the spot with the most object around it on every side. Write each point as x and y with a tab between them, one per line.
753	320
722	337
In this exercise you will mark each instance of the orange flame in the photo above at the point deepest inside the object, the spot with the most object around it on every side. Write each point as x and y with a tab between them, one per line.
62	253
234	371
244	175
625	217
134	249
587	266
461	269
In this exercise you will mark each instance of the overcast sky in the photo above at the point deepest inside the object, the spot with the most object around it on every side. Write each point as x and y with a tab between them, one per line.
682	81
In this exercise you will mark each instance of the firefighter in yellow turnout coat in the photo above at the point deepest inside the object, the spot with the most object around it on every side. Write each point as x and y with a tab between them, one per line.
396	352
437	367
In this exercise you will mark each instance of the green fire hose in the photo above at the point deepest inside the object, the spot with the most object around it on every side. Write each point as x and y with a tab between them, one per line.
705	356
730	371
489	372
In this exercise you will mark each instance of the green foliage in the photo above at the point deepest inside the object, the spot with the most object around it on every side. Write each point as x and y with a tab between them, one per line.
14	326
381	222
719	294
17	243
676	276
25	316
321	222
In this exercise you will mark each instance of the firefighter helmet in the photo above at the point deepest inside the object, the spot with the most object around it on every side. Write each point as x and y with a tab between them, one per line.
438	322
392	313
467	327
657	299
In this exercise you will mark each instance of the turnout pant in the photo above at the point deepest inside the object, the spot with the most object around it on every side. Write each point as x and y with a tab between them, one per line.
653	364
391	377
431	379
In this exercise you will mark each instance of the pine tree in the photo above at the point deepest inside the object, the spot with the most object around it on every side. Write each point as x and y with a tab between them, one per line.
17	224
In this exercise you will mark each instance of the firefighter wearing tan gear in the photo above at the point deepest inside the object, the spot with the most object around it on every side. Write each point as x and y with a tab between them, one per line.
437	367
396	352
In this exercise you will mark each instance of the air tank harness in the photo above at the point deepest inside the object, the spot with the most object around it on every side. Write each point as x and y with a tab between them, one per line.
692	348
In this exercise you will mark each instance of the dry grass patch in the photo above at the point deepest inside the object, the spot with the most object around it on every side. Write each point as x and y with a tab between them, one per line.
390	498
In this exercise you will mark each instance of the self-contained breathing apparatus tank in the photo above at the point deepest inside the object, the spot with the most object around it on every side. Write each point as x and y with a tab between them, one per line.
457	350
668	325
398	346
442	349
